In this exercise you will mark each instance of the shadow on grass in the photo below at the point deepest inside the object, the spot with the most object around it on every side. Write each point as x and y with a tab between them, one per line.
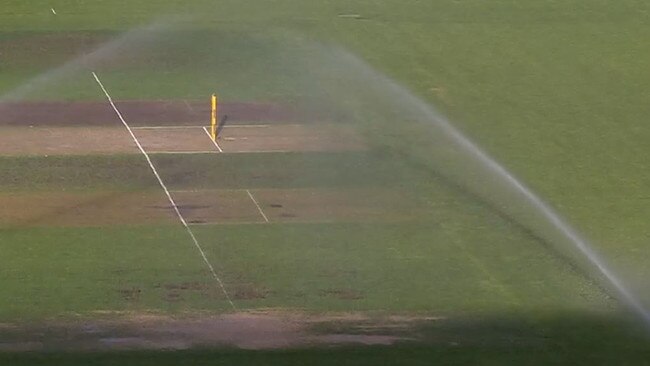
567	339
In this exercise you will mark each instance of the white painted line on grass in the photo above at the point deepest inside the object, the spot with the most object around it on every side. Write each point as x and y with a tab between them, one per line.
250	126
221	223
208	190
166	127
213	141
224	127
268	151
267	125
185	152
229	152
232	152
164	187
281	222
257	205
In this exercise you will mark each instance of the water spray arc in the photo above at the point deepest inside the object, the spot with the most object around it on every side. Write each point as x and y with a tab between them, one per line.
420	111
553	217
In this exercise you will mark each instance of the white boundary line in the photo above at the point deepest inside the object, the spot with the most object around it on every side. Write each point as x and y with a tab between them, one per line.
169	196
210	137
257	205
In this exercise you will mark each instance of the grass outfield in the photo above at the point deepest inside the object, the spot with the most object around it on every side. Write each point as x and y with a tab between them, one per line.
555	91
338	267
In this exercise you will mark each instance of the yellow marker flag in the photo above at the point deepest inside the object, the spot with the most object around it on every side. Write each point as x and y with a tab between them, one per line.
213	118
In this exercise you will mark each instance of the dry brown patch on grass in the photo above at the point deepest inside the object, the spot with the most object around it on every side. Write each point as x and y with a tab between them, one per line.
248	330
84	208
216	206
58	208
65	141
323	204
295	205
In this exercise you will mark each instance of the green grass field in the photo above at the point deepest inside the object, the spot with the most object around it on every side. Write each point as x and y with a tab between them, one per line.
556	91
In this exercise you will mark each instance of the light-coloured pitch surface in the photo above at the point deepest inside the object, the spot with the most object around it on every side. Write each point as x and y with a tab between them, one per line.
63	140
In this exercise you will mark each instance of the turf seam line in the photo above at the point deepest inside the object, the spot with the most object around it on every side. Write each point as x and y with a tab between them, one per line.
213	141
164	187
257	205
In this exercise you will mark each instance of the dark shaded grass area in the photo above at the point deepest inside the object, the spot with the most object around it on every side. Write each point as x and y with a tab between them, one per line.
75	172
285	170
39	51
567	339
281	170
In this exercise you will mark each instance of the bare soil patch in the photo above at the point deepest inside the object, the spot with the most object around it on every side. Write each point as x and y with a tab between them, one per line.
246	330
138	112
